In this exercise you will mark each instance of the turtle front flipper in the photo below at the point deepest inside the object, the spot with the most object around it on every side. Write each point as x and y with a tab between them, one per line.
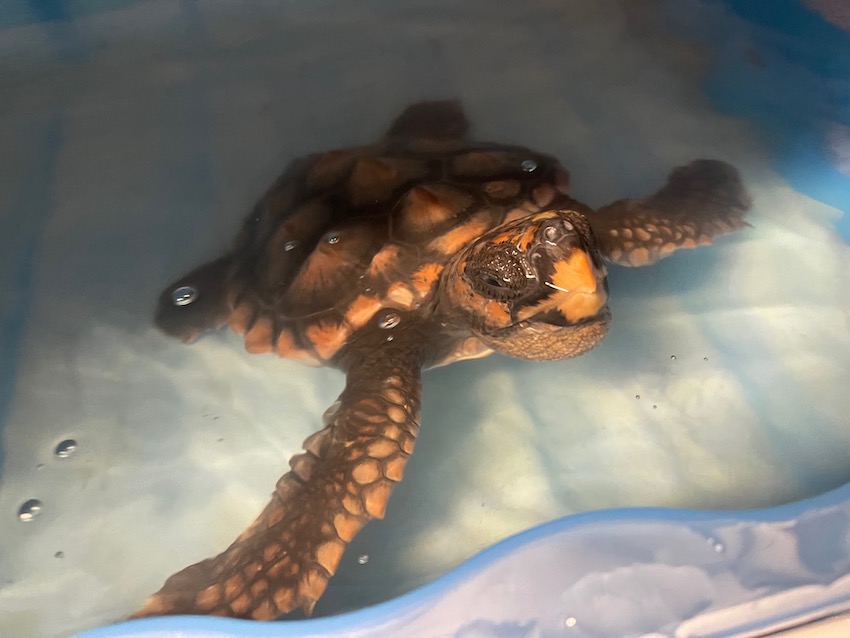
701	200
344	478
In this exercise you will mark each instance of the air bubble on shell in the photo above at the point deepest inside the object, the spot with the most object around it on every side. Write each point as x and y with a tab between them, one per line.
290	245
333	237
29	510
528	165
183	295
389	319
363	559
672	357
570	622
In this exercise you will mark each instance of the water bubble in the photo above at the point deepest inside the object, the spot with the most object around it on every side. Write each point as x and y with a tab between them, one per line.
363	559
290	245
333	238
672	357
59	554
29	510
389	319
570	622
705	358
528	165
716	545
184	295
637	396
390	338
66	448
654	407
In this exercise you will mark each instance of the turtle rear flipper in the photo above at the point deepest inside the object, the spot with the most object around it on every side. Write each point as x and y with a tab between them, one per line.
195	303
437	120
284	560
700	201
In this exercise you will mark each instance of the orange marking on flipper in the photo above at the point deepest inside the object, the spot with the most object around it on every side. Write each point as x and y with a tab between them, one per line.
425	278
452	241
327	337
288	349
361	310
241	318
258	339
639	257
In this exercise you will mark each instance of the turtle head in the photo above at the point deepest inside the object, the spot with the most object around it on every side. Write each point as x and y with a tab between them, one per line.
533	288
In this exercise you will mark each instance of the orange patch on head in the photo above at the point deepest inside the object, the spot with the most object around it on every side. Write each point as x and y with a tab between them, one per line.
457	238
425	278
259	338
581	306
575	273
327	337
577	293
496	315
361	310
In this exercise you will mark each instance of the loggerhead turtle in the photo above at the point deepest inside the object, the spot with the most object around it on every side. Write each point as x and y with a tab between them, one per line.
414	252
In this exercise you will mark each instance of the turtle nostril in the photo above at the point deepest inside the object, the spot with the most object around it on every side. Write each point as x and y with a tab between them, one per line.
555	230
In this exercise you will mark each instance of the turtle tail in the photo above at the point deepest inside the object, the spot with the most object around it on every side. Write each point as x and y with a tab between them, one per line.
195	303
443	120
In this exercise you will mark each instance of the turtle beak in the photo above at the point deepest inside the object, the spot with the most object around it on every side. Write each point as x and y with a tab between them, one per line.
569	269
575	273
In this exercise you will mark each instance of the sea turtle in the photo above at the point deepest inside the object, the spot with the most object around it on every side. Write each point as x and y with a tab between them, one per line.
415	252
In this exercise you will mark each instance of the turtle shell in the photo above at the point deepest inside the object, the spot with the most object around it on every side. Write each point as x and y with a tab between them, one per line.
348	234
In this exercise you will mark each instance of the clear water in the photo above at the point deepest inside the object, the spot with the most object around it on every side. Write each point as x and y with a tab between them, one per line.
136	138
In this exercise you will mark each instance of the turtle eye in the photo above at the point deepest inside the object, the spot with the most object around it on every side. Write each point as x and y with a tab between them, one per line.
494	286
497	276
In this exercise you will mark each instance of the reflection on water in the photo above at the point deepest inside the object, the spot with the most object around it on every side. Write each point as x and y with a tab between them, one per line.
137	158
